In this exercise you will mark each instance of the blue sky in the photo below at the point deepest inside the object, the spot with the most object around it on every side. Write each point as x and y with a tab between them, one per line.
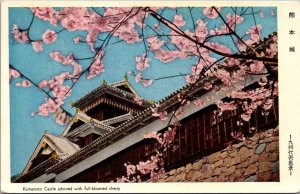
119	59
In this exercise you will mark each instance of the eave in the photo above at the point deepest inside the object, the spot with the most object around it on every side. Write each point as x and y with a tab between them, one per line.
103	89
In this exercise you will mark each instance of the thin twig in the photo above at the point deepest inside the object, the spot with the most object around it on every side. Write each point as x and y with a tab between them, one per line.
37	86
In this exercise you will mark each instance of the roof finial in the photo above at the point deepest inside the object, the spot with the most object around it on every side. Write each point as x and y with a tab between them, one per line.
104	83
126	77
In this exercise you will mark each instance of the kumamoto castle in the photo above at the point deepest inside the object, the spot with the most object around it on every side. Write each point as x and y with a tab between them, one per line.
108	130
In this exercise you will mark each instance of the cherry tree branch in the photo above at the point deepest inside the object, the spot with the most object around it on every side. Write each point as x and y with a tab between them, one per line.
180	32
36	85
104	44
233	32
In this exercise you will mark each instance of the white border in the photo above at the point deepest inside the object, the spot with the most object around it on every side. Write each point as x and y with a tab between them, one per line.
288	104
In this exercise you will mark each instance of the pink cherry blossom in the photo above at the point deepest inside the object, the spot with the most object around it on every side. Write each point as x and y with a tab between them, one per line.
142	62
190	79
155	43
146	167
256	66
272	13
242	46
46	14
219	47
127	31
128	34
24	84
161	114
77	39
147	82
69	60
245	116
138	77
154	135
13	73
154	111
272	50
238	135
91	39
261	14
233	19
138	100
156	26
49	36
20	35
168	56
43	84
56	85
199	102
69	24
254	33
123	179
207	85
57	56
178	20
224	76
196	70
130	169
73	18
186	47
179	111
268	104
97	67
37	46
201	30
48	106
169	135
210	12
77	69
223	106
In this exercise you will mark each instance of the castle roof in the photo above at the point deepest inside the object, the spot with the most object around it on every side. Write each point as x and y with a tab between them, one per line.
122	89
59	144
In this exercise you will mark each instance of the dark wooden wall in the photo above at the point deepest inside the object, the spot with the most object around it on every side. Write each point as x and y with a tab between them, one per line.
104	111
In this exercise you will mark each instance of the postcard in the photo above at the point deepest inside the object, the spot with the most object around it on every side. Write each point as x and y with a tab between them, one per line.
150	96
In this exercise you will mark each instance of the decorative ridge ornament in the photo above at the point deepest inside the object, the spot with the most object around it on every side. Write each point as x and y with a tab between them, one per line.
126	77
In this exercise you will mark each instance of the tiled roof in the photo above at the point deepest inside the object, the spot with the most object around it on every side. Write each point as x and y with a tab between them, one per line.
96	93
117	119
100	127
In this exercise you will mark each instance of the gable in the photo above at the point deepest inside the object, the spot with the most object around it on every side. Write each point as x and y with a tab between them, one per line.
79	119
125	86
50	146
